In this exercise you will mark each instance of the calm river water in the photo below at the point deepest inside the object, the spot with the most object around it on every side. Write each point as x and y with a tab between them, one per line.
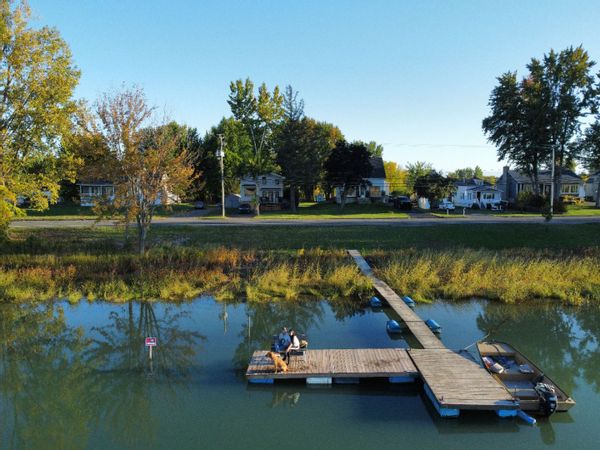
79	377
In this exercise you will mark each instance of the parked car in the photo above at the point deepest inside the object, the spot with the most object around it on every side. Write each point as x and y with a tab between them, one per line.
446	204
402	202
199	204
245	208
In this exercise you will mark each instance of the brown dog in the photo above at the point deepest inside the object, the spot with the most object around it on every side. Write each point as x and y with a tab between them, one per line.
278	362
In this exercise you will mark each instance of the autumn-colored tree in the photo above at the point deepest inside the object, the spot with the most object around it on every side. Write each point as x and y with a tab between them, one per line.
37	79
146	164
397	177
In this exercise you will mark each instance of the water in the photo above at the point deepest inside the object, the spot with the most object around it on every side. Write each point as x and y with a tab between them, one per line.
79	377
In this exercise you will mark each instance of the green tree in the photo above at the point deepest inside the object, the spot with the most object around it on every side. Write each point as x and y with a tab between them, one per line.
517	124
590	146
259	115
347	167
396	177
293	145
414	171
37	79
433	186
543	112
373	147
466	173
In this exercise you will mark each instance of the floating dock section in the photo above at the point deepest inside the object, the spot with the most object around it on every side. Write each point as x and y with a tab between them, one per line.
330	366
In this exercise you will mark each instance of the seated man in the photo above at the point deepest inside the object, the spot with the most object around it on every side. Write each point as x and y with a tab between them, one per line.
283	340
293	346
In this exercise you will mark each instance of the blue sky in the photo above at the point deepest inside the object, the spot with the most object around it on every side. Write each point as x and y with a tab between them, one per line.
414	76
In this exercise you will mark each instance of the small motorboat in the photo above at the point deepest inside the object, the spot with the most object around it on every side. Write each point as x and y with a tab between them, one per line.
433	326
537	394
409	301
393	327
374	302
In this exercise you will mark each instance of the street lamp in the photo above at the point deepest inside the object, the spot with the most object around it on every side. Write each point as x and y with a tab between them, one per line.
221	155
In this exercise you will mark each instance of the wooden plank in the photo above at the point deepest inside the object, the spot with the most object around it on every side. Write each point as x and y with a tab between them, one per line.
457	382
421	332
338	363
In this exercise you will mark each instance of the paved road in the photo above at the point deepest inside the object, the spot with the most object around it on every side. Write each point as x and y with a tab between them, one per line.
247	221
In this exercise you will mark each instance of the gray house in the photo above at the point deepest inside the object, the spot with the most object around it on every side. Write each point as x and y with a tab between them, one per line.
591	186
513	182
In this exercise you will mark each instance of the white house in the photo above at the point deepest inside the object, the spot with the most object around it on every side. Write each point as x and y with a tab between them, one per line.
93	190
373	188
268	188
474	191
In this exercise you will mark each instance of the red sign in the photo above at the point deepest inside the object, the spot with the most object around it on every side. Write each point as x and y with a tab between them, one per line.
150	342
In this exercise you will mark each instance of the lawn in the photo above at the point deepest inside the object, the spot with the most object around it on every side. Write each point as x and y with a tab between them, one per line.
317	211
572	210
292	238
74	212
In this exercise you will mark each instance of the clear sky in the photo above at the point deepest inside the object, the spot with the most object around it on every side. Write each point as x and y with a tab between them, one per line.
414	76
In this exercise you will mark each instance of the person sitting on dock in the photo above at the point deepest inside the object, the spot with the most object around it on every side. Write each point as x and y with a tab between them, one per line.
283	341
293	346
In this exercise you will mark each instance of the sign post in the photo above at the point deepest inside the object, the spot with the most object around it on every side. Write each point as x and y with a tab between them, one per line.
150	342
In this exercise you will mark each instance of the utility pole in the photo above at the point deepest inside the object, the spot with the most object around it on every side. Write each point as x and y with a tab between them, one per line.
552	183
221	155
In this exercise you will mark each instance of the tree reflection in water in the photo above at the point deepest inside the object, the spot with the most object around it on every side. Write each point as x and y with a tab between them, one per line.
45	386
58	385
125	373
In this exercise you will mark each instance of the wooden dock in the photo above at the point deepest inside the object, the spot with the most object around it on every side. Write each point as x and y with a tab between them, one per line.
324	366
415	324
452	381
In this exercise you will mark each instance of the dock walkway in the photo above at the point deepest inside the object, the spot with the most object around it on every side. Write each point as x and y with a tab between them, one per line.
415	324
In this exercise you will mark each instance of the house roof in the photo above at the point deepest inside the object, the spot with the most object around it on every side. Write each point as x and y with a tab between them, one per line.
378	170
484	188
471	182
545	176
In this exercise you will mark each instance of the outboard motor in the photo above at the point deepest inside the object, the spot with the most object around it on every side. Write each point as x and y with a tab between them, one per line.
548	399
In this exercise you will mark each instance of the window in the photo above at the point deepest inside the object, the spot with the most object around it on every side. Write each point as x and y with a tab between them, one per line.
248	191
375	191
489	196
264	180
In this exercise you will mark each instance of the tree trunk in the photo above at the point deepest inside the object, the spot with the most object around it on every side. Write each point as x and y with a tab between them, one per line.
293	197
256	198
598	193
143	226
343	198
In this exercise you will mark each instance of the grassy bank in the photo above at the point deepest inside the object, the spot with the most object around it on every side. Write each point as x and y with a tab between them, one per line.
509	263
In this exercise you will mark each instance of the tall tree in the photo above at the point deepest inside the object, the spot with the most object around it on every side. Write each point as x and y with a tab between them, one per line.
149	163
517	124
590	147
37	79
293	147
541	113
568	86
396	177
347	167
259	115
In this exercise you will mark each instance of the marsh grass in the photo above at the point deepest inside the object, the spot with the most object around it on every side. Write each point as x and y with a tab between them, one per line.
508	276
180	274
518	263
